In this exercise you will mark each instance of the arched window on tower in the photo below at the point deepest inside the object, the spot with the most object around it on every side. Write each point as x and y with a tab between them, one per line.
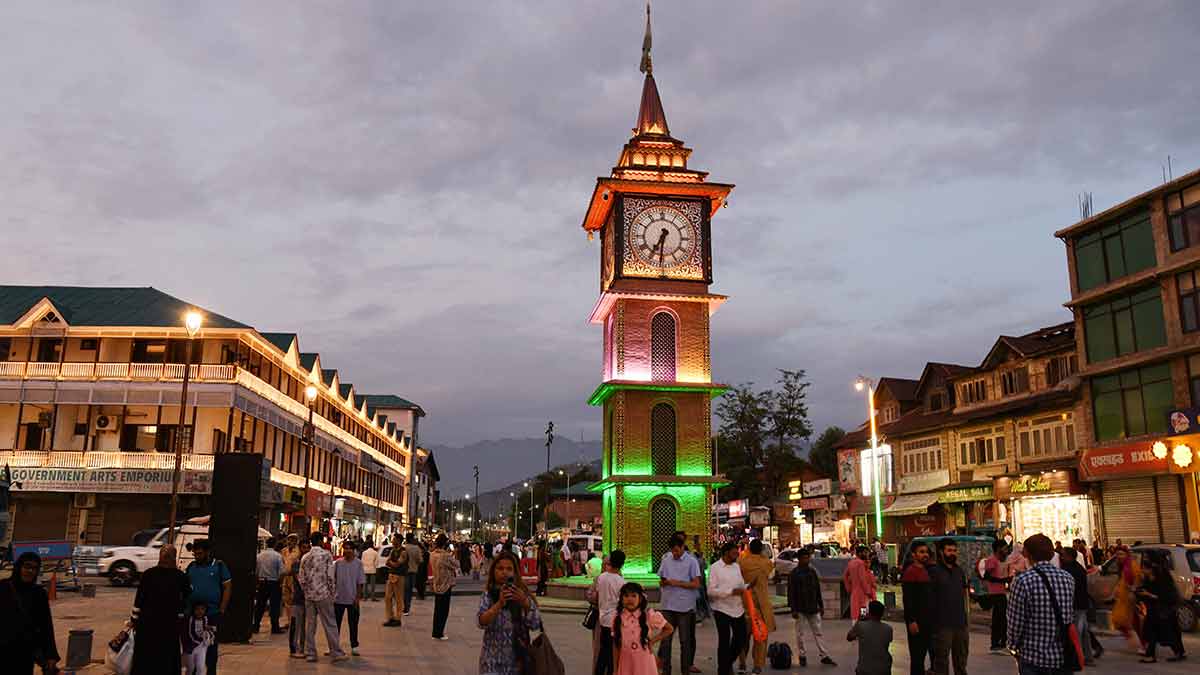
662	347
663	525
662	440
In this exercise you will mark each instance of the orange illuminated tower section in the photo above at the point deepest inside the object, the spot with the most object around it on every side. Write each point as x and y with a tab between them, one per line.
653	216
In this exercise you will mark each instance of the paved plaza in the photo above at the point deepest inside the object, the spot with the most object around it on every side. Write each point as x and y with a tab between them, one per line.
411	650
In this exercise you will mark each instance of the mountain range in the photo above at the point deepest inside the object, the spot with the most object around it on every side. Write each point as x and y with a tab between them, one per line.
504	463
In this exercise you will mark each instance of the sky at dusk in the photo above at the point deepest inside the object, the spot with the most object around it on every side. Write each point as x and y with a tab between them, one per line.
403	183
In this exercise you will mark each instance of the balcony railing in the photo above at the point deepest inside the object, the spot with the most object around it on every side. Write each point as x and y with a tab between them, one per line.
115	371
66	459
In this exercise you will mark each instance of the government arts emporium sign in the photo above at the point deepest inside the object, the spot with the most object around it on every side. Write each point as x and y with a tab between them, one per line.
156	481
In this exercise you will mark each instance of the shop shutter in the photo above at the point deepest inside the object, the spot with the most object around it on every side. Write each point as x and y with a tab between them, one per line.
1170	510
41	518
123	516
1126	503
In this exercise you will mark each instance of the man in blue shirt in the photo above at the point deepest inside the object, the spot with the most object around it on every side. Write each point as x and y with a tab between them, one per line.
210	580
679	574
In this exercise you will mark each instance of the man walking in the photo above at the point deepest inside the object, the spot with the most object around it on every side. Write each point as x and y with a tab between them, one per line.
918	608
348	582
995	574
679	575
1035	599
1068	560
370	565
270	566
415	555
393	593
859	582
725	586
211	585
316	579
949	586
804	597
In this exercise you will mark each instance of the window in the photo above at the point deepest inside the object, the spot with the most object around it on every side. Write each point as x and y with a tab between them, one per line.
1111	252
885	470
984	446
1060	368
662	440
1125	325
1015	381
974	391
1183	217
1050	435
1132	402
922	455
1194	378
662	347
936	402
889	414
1189	300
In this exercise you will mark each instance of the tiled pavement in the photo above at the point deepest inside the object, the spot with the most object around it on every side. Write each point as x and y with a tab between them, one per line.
410	649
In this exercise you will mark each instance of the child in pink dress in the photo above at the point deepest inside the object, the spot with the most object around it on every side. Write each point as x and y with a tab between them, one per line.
635	631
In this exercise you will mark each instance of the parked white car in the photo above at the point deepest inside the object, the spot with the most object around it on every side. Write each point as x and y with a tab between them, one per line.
124	564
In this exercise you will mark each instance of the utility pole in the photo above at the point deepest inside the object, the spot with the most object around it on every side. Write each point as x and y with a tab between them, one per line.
474	504
549	442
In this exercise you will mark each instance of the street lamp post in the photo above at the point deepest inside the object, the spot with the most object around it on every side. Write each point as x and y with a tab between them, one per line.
513	497
336	457
467	504
310	432
191	322
530	486
567	482
860	384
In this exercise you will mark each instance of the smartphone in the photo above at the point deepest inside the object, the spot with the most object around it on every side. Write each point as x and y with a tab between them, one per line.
862	613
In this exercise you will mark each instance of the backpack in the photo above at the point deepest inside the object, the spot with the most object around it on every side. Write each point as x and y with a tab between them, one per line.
779	654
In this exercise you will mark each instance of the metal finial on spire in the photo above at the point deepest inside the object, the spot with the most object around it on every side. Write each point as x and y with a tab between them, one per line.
646	66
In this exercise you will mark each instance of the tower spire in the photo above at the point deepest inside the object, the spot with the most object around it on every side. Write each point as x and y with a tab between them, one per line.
646	67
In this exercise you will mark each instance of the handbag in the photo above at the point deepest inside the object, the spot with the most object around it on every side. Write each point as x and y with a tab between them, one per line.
1068	636
543	660
591	618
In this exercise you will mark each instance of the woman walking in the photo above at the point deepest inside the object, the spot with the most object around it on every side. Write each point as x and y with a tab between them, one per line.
26	628
157	609
1124	612
507	612
445	570
1161	596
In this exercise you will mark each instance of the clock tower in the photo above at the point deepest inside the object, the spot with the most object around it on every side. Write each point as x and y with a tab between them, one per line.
653	214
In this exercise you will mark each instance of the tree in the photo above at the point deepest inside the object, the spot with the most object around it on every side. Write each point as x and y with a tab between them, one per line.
743	414
758	435
787	416
823	456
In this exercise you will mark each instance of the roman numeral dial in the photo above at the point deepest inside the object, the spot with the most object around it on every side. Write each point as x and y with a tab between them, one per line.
663	237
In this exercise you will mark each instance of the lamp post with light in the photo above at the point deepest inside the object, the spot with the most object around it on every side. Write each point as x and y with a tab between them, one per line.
567	483
335	475
859	385
310	397
191	322
530	486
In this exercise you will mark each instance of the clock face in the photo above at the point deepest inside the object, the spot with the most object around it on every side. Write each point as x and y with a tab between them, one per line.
662	237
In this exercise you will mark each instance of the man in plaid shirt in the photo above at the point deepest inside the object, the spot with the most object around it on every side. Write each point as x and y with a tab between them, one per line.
1033	629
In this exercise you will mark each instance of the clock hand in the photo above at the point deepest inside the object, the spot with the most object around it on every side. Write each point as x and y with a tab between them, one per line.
662	239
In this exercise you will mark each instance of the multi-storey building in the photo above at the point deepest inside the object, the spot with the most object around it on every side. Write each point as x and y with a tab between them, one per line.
1133	273
423	502
90	384
977	448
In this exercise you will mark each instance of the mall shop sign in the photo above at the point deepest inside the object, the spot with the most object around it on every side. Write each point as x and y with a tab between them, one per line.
127	481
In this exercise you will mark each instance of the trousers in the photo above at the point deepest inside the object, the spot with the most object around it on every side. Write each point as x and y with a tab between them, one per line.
731	632
321	612
919	647
684	624
441	612
604	659
409	587
393	596
951	641
814	625
352	610
296	630
999	619
269	595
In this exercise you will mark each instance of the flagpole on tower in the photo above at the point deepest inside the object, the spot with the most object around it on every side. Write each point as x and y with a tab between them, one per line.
646	66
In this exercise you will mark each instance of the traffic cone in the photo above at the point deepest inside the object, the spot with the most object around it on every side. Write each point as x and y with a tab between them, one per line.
52	592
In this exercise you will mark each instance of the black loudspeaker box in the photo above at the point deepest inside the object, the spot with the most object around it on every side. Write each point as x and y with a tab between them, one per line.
233	532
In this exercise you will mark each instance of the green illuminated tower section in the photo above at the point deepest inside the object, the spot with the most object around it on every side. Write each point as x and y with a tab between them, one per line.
653	216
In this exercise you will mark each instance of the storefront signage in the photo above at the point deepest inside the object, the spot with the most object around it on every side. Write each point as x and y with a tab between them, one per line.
813	503
924	525
969	494
1030	484
129	481
924	482
760	517
738	508
818	488
848	470
1133	459
1182	421
837	502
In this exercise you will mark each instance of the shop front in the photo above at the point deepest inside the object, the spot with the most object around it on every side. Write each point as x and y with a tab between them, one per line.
1143	490
916	511
1053	503
969	509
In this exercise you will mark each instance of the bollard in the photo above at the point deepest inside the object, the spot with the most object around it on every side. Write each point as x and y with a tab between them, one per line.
79	648
88	590
889	599
52	589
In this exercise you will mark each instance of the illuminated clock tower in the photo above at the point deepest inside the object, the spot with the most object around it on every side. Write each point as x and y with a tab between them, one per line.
653	217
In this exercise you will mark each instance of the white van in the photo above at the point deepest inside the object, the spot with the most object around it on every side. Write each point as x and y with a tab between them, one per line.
124	564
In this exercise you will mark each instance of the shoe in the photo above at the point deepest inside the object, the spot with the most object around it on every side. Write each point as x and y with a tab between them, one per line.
407	613
757	670
1176	658
741	669
826	661
296	655
341	657
391	622
803	661
310	659
695	670
1147	660
443	638
354	651
278	631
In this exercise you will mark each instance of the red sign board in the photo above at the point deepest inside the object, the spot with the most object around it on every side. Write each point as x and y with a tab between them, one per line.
1123	460
738	508
813	503
924	525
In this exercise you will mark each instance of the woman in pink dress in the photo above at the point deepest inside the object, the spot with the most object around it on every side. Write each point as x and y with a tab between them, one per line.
635	631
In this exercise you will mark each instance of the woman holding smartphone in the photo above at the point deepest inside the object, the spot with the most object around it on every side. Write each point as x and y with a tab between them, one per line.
507	612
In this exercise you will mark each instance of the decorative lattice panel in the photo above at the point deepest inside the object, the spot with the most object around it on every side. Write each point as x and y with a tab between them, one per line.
662	347
663	524
619	338
618	430
662	440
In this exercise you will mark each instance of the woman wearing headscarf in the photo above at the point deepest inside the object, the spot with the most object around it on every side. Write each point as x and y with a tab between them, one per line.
1124	612
157	609
26	629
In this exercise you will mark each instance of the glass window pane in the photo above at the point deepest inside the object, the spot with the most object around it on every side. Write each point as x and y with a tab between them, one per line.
1187	312
1089	264
1058	439
1178	237
1101	344
1123	325
1159	399
1037	443
1148	320
1106	408
1161	371
1024	443
1071	437
1139	247
1186	281
1135	415
1000	447
1106	384
1114	257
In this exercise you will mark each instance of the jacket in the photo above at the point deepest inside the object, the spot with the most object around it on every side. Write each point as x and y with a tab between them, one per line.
757	570
445	569
917	594
804	591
